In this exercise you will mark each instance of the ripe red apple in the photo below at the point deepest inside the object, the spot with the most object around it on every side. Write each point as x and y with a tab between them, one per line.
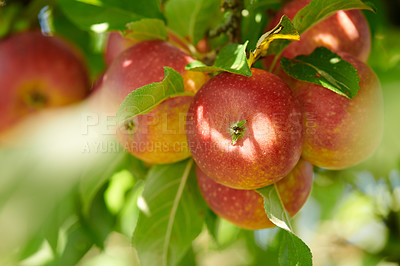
157	137
38	72
345	30
116	44
340	132
269	142
245	208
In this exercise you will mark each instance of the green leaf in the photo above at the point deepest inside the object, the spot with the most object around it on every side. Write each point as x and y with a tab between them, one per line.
111	14
64	210
325	68
144	99
231	58
129	214
102	168
191	18
253	23
77	245
279	37
30	247
119	184
50	227
147	29
189	258
172	214
85	40
293	251
8	16
274	208
320	9
99	222
211	220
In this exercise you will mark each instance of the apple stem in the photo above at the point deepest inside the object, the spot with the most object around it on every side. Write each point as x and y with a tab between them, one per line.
237	131
274	62
233	19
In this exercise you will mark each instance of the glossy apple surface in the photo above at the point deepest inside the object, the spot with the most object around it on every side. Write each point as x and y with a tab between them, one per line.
159	136
339	132
245	208
271	140
38	72
344	31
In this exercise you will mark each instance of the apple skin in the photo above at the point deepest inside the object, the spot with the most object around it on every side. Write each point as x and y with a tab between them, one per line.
116	43
339	132
272	139
344	31
157	137
245	208
38	72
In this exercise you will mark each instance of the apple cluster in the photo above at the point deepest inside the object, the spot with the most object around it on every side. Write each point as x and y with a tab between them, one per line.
245	133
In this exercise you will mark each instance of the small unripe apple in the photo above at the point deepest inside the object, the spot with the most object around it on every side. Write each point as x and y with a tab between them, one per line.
245	208
245	132
157	137
341	132
38	72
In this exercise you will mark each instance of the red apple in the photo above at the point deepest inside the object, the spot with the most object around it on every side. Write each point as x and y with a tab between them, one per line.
157	137
345	30
245	208
340	132
269	143
116	44
38	72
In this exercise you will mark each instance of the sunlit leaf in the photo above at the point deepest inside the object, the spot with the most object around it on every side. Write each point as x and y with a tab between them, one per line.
324	68
172	214
274	207
231	58
147	29
273	41
191	18
144	99
292	251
